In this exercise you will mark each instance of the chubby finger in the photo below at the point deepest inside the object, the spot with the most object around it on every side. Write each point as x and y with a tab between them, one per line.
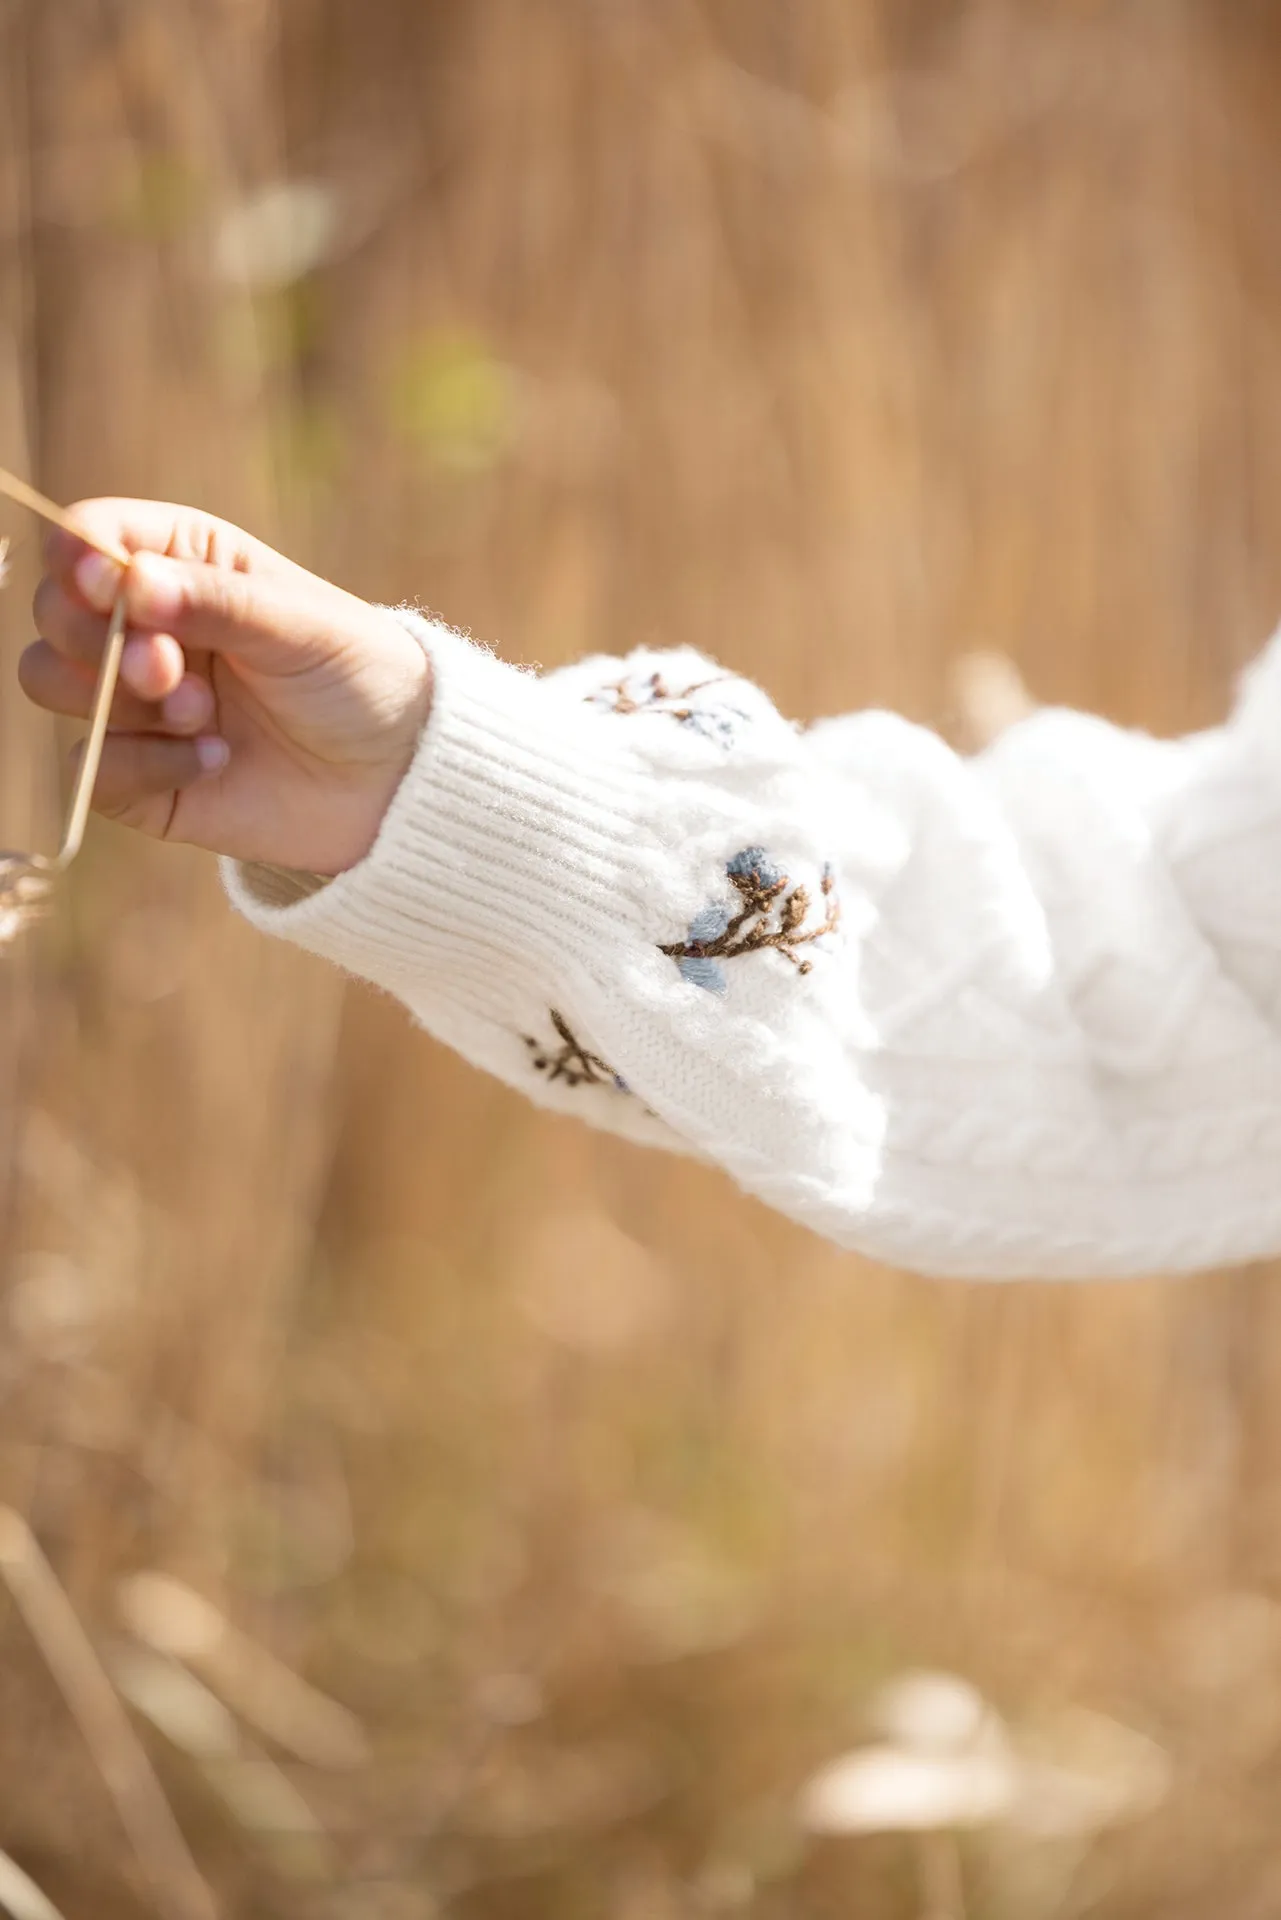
66	622
191	707
276	624
152	663
139	769
67	687
158	526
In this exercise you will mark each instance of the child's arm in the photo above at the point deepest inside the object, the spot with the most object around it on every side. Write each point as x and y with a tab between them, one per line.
1012	1016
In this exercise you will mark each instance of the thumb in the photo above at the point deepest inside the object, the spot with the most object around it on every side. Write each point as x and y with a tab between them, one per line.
277	624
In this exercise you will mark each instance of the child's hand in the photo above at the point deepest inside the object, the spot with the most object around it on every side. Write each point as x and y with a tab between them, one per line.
262	712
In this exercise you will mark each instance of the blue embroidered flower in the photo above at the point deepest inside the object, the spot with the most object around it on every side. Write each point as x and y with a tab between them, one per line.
753	865
701	972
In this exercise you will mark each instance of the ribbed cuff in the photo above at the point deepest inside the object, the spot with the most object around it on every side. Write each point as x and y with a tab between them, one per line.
501	860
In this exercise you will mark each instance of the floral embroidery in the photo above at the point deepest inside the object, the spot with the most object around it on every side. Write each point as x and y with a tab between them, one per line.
771	914
571	1062
714	721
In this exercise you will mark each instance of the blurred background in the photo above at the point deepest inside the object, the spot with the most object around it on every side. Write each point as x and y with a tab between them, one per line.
474	1517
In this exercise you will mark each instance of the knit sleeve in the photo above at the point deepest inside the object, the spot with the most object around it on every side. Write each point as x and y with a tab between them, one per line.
1012	1016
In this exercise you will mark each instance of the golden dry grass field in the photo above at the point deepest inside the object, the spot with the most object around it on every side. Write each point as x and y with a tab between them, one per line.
839	338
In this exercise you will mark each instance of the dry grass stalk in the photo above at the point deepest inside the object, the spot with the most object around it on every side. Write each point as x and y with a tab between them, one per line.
170	1617
28	496
26	879
21	1897
179	1887
255	1790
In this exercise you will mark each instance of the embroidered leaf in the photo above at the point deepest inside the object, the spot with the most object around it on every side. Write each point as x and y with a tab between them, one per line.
719	724
701	972
708	924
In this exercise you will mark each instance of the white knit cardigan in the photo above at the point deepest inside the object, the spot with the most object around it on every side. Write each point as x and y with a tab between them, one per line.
1010	1016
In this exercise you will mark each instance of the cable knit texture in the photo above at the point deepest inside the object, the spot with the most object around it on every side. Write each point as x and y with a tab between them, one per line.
1011	1016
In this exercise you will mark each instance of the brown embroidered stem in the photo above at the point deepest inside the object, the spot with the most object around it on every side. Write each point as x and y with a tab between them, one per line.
750	932
571	1062
656	695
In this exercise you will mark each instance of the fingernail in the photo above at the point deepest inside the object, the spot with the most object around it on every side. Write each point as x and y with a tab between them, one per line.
188	704
98	580
212	753
155	590
135	666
